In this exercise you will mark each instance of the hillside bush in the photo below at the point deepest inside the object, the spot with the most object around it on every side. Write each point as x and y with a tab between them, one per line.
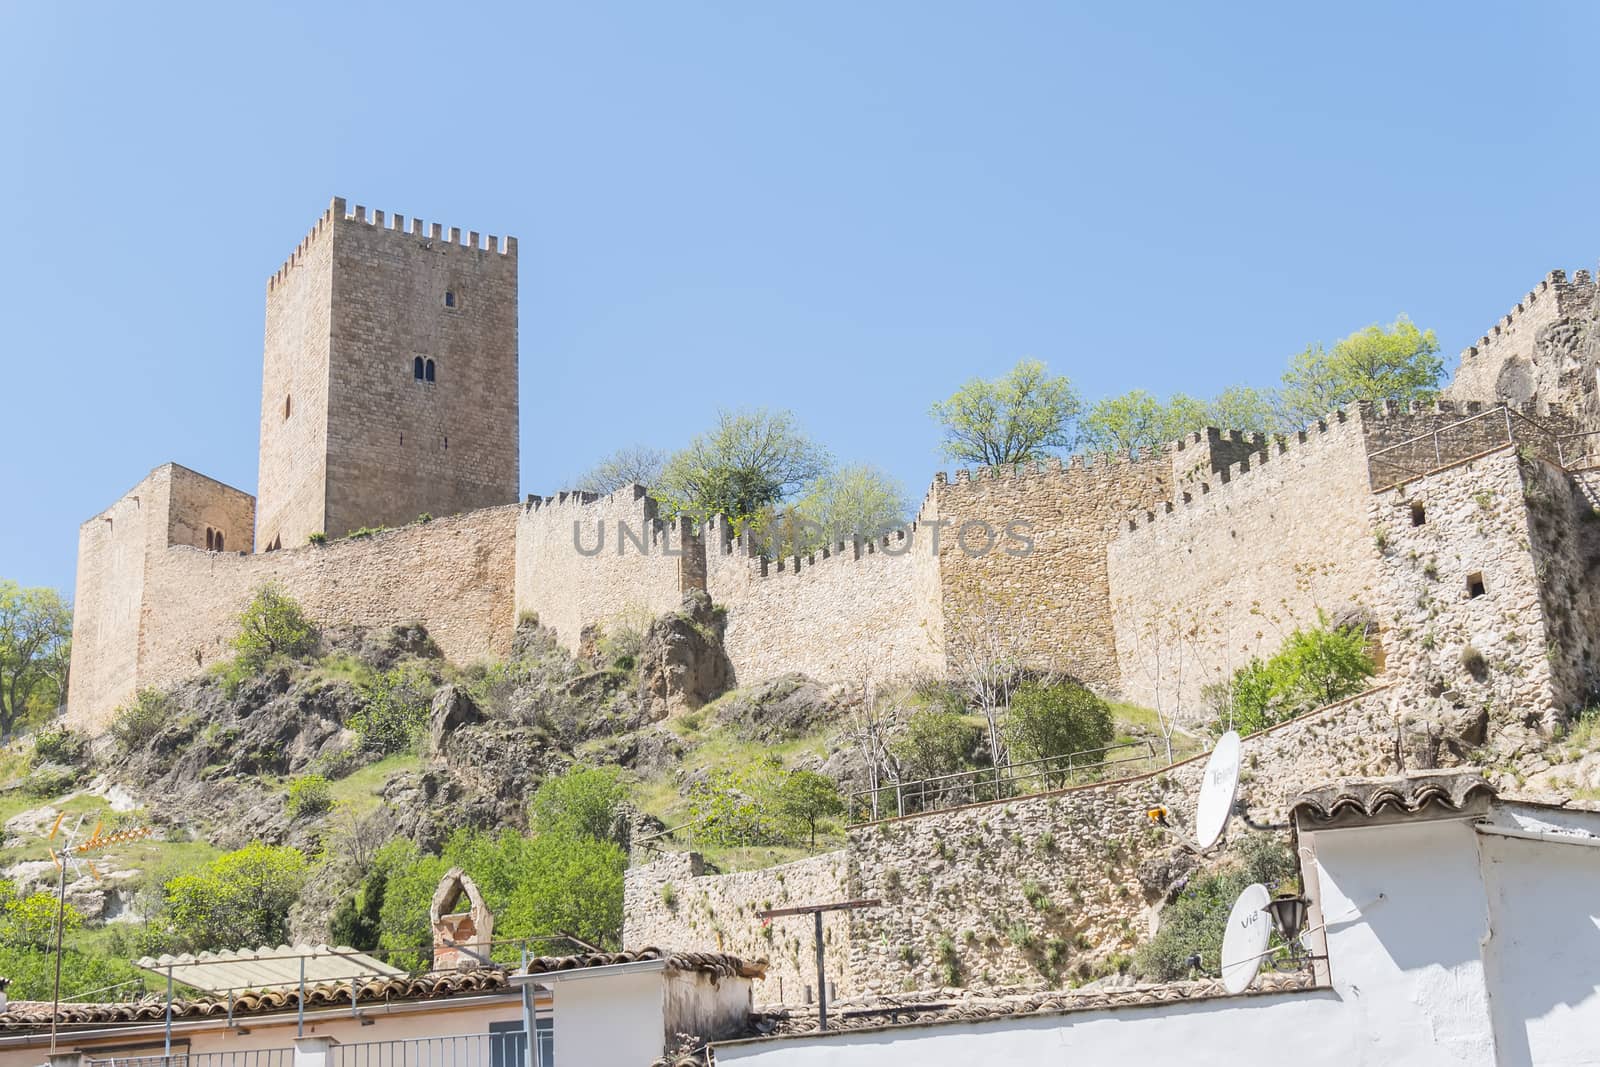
936	740
137	723
394	709
309	795
1054	720
58	745
1196	921
270	626
1313	668
240	899
586	801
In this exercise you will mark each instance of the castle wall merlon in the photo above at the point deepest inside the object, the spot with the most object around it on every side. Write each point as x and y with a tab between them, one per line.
1567	296
396	223
335	210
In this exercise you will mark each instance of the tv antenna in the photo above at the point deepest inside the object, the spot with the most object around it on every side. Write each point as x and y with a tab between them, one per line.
75	854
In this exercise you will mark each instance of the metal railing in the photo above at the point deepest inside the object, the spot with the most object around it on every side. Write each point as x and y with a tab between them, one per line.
1474	435
463	1050
260	1057
894	799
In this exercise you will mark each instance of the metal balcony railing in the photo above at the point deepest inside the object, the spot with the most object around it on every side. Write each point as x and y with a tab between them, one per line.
261	1057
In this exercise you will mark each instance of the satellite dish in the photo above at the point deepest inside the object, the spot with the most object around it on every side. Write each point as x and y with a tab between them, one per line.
1244	945
1216	790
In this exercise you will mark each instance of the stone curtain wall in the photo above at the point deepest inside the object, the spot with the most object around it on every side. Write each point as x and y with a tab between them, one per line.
859	612
397	447
1406	442
1055	599
1240	561
453	575
292	481
569	590
1463	654
1564	521
1506	362
671	903
108	598
945	874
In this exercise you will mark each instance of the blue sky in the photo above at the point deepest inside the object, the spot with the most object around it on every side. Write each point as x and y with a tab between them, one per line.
844	209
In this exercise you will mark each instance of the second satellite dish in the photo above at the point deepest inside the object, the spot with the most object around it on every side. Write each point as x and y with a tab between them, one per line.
1217	790
1244	945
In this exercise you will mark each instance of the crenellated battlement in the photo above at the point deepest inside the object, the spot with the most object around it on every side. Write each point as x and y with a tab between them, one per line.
720	540
1203	491
1566	296
1075	466
436	235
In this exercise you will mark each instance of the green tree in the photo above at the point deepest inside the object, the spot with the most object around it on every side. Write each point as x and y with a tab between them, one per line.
1394	362
737	805
806	797
1139	420
1054	720
240	899
569	885
309	795
358	920
1314	667
634	465
272	625
749	462
1024	415
1240	407
936	741
30	921
588	802
35	651
859	499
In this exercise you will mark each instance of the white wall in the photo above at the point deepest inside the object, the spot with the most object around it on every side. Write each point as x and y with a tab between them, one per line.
1543	961
612	1021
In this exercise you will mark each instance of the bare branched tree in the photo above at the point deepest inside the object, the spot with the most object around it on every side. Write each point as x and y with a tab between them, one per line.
987	651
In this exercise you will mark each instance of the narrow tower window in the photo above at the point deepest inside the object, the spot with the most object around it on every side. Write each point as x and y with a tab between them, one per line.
288	406
219	540
449	298
1475	586
210	540
428	372
1419	514
416	368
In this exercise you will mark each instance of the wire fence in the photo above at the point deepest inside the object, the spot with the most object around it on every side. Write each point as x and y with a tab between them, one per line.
895	799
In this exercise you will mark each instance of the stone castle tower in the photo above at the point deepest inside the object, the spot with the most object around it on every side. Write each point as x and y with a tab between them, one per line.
389	384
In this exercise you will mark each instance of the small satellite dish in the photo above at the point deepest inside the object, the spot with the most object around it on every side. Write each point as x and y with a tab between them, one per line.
1244	945
1216	791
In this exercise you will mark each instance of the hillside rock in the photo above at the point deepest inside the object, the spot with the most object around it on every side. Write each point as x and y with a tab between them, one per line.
682	664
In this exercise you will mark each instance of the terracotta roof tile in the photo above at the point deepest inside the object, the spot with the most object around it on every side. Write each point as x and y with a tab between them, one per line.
1408	794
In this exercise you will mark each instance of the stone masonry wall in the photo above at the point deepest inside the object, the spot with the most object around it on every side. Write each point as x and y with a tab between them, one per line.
1477	659
399	447
992	886
1053	595
1505	364
1405	442
1235	564
583	559
292	479
670	902
454	575
858	611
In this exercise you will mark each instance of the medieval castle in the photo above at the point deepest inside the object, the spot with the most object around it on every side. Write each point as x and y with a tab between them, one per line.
1462	531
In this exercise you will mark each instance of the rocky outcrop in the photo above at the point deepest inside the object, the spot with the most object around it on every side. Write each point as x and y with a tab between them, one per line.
682	664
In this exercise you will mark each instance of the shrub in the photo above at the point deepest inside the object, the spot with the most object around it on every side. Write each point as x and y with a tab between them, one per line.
272	625
936	741
949	961
309	795
1195	922
1053	720
806	797
1313	668
738	806
394	709
137	723
241	898
669	898
587	801
58	745
318	538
